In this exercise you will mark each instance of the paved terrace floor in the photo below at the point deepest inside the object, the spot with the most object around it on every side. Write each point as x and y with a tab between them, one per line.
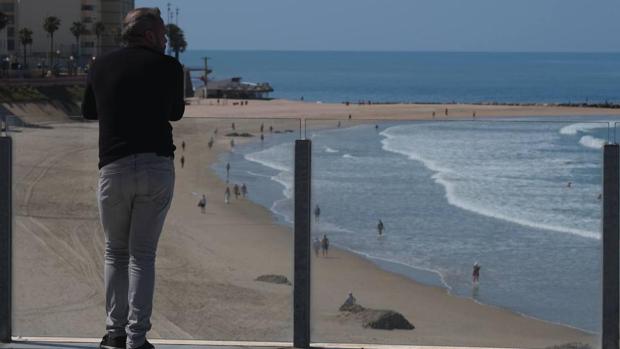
92	343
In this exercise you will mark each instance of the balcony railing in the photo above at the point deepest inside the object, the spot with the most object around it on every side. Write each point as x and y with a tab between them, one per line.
364	233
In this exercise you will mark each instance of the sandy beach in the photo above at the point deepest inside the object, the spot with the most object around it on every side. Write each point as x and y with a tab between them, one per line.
207	263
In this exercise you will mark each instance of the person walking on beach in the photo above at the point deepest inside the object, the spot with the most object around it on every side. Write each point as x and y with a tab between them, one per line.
202	203
182	161
350	301
317	213
476	273
233	126
316	244
236	190
227	195
446	112
227	171
244	190
262	138
210	144
262	126
183	145
232	144
325	245
380	227
136	167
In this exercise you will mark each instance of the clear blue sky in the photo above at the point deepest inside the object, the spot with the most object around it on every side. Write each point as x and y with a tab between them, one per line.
402	25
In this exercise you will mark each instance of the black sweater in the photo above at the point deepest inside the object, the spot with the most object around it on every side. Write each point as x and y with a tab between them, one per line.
134	92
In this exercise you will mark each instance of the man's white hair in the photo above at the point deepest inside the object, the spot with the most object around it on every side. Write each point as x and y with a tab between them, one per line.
139	21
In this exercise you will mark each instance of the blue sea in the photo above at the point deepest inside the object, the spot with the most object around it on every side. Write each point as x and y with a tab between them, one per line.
438	77
518	196
452	193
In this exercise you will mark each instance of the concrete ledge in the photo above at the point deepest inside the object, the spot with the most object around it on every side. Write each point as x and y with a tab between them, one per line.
91	343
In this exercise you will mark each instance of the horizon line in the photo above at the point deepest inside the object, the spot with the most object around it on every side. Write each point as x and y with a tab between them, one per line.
395	51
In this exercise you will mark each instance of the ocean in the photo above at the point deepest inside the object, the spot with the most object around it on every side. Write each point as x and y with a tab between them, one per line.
452	193
519	196
437	77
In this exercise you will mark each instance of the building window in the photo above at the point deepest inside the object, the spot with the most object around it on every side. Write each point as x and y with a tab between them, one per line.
88	44
88	7
10	31
87	19
10	45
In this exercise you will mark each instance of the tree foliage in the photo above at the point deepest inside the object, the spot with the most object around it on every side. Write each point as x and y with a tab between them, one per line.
176	39
51	24
25	38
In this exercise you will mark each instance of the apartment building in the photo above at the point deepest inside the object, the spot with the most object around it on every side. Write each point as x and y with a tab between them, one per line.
31	14
8	35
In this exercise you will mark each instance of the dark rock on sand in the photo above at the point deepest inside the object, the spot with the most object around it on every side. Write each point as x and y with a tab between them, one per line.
235	134
380	319
352	308
385	320
274	279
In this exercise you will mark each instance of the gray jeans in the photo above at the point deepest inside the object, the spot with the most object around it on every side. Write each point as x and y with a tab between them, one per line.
134	197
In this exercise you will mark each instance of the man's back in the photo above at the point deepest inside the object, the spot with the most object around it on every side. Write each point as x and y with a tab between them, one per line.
134	92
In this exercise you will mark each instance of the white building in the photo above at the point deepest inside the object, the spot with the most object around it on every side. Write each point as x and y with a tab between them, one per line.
31	14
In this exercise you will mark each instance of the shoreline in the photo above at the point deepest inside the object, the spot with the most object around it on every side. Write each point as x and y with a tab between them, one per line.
338	111
443	287
408	273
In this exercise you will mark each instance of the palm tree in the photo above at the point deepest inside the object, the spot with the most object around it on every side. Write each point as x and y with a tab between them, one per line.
98	29
177	39
78	29
25	37
50	25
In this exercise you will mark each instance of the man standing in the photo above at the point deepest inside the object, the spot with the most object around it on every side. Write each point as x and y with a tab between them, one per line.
134	92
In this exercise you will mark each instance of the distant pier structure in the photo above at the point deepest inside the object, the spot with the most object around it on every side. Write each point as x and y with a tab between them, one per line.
229	88
235	88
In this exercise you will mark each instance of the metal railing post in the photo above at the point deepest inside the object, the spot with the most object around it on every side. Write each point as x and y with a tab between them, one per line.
6	225
301	291
611	227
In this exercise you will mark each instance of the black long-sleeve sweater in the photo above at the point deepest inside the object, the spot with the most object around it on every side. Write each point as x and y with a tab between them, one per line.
134	92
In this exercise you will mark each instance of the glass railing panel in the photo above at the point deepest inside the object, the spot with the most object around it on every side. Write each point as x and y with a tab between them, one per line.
222	272
57	241
410	207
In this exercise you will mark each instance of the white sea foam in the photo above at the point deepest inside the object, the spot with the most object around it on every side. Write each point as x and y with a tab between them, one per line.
592	142
330	150
582	127
513	182
278	157
348	156
251	173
